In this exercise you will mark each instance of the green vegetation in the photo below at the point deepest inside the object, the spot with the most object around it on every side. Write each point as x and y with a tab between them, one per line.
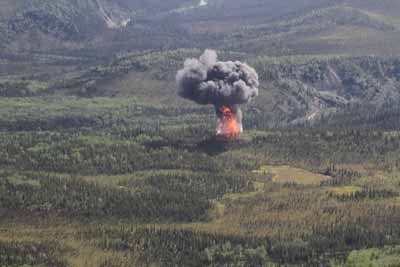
168	193
385	257
287	174
344	190
102	165
140	179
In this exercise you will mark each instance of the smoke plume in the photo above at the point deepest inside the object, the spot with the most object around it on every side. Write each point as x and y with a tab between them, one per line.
222	84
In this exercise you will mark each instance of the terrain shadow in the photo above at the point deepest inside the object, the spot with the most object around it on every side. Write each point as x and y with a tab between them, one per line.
215	145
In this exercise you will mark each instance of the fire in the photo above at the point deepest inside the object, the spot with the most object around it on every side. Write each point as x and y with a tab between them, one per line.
228	124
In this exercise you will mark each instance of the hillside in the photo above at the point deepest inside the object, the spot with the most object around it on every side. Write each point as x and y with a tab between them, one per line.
257	27
102	164
293	89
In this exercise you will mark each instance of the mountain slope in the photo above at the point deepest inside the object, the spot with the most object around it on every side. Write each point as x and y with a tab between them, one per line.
64	19
293	89
43	25
335	30
139	45
258	27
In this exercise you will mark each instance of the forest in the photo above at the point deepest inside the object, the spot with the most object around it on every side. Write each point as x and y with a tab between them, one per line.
108	189
102	164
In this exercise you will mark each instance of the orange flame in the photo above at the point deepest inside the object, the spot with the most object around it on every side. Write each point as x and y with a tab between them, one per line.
228	125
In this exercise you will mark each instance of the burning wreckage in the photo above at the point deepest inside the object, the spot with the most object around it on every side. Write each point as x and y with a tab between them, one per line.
225	85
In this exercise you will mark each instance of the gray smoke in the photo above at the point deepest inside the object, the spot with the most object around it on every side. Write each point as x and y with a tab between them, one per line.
209	81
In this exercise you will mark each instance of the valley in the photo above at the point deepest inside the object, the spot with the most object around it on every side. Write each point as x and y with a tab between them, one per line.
103	164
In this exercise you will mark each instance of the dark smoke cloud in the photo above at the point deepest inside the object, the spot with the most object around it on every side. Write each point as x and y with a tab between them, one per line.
209	81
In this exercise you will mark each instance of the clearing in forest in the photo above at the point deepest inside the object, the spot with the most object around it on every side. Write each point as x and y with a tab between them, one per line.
344	190
287	174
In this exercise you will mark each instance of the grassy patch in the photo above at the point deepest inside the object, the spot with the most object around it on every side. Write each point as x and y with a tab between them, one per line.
374	257
22	180
344	190
287	174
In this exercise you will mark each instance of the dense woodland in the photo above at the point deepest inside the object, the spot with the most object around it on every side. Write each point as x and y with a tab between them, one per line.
144	183
139	181
103	165
169	193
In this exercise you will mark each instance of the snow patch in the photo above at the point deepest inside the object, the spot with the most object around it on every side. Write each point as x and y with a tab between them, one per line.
125	23
312	116
203	3
112	24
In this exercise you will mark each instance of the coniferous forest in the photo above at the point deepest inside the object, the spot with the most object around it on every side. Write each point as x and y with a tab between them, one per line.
102	164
